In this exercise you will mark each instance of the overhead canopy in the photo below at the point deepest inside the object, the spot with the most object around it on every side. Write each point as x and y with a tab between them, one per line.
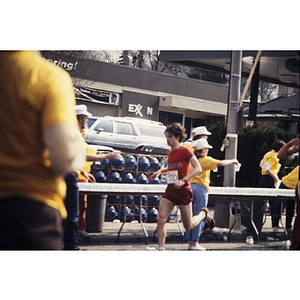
284	105
279	67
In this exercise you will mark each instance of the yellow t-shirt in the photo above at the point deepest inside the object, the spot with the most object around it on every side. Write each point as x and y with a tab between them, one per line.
88	164
34	95
290	180
271	158
190	146
207	164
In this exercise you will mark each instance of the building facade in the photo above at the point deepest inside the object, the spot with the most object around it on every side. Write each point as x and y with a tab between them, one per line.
116	90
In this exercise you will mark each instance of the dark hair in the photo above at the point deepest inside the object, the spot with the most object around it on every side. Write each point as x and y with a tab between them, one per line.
199	153
198	136
277	145
177	130
81	117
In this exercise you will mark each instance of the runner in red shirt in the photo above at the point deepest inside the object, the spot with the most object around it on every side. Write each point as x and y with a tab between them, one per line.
178	191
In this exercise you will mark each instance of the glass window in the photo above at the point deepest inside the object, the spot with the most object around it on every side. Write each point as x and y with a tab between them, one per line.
123	128
133	130
91	121
151	131
105	125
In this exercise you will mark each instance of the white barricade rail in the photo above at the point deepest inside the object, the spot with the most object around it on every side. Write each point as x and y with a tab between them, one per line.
121	188
159	189
251	192
132	188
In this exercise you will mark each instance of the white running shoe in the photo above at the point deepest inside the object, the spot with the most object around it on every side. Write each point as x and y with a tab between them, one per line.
83	233
198	247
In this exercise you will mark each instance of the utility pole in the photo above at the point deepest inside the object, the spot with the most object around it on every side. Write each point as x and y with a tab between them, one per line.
231	139
254	95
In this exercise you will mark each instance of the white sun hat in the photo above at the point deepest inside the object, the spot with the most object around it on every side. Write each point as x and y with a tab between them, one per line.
81	110
200	144
200	130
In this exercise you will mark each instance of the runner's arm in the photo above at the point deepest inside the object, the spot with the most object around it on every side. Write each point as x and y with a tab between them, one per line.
289	149
158	173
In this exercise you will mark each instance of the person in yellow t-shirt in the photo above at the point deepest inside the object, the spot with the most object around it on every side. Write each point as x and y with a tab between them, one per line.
270	166
269	175
39	144
287	182
289	149
200	132
200	186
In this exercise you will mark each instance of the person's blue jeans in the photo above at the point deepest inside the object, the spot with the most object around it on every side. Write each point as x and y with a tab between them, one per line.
72	207
289	207
200	200
266	181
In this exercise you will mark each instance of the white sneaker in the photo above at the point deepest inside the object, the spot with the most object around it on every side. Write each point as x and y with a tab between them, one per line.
275	229
83	233
198	247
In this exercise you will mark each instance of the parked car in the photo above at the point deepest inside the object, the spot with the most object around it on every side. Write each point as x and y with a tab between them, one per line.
127	134
101	148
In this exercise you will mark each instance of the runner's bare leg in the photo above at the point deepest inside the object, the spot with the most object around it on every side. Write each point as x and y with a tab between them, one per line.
165	209
189	221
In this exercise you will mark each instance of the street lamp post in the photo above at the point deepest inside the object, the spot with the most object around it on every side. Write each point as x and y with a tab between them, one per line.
231	139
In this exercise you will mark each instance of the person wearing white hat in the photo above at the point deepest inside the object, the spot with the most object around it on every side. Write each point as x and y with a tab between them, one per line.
82	116
201	144
200	186
73	201
200	132
81	110
72	196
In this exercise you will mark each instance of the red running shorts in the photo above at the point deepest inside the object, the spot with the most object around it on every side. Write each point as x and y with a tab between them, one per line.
184	195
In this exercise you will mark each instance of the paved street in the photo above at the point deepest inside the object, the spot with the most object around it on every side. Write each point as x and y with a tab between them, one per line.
132	238
221	246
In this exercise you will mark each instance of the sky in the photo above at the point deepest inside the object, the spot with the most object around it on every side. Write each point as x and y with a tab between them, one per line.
154	25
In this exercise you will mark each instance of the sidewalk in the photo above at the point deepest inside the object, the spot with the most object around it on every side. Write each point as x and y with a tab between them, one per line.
133	236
